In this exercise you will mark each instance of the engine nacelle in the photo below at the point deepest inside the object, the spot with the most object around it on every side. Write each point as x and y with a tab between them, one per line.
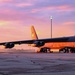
38	43
9	45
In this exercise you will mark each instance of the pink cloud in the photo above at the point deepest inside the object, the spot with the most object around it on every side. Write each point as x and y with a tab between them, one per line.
11	32
24	4
11	20
69	23
64	29
42	9
51	8
8	14
65	8
6	0
23	18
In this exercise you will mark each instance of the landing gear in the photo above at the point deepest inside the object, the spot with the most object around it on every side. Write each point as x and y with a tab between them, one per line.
67	50
45	50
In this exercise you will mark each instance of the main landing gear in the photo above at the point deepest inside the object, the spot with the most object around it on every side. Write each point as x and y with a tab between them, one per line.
44	50
67	50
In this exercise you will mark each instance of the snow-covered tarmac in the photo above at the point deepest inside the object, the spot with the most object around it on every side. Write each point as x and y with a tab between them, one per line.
16	63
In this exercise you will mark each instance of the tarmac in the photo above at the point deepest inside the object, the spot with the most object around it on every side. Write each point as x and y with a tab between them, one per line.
31	63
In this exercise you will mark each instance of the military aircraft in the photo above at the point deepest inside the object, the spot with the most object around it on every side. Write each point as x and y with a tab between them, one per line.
64	44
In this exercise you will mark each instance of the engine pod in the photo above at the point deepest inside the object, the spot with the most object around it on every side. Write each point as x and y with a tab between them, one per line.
9	45
38	43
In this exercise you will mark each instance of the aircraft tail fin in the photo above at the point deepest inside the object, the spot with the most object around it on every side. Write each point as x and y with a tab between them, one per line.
33	33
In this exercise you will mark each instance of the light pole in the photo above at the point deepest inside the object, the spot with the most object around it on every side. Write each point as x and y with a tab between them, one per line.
51	25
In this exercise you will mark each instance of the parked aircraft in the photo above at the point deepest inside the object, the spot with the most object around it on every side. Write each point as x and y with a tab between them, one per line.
64	44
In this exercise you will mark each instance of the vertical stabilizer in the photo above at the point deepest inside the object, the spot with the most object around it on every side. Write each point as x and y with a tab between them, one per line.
33	33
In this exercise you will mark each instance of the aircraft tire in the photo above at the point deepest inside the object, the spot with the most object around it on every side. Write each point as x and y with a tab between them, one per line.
67	50
45	50
62	51
42	50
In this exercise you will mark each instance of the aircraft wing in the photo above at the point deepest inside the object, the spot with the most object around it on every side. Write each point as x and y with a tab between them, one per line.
19	42
35	43
64	39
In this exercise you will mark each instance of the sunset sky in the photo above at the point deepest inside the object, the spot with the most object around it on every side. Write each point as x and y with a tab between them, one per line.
17	16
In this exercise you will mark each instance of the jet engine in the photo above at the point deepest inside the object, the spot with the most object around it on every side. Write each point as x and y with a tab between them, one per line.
9	45
38	43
